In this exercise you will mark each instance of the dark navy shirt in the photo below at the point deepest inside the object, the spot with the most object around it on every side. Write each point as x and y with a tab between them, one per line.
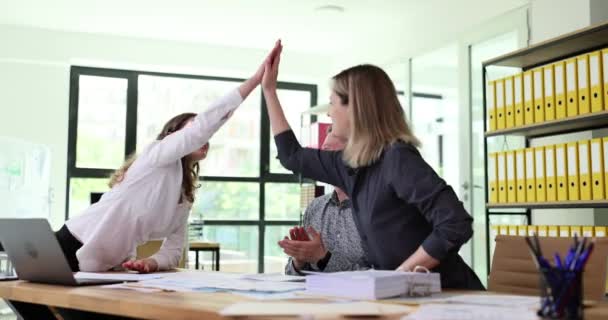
399	204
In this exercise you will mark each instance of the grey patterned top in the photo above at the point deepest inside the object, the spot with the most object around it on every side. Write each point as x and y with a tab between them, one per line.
334	221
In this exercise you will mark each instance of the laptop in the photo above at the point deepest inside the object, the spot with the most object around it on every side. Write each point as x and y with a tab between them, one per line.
33	249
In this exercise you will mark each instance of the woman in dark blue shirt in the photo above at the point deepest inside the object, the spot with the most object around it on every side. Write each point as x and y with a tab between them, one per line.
407	215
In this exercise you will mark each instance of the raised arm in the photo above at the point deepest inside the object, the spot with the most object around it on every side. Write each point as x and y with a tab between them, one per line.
325	166
205	124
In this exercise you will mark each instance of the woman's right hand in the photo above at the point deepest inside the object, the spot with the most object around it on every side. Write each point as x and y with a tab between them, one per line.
271	68
246	87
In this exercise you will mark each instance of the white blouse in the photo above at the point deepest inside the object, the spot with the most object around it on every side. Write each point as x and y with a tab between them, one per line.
145	205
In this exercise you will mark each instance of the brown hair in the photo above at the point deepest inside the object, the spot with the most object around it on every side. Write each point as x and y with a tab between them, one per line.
375	114
190	168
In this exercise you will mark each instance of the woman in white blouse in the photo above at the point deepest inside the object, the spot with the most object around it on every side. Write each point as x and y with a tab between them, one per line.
152	197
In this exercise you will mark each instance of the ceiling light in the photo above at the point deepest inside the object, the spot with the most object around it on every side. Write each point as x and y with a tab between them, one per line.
330	9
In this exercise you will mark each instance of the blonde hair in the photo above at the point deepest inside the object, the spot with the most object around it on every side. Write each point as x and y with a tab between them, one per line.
376	117
190	168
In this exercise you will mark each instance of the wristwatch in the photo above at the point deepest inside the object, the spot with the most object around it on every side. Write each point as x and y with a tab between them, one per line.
321	264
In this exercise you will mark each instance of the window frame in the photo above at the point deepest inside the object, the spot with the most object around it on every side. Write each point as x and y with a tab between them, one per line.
132	77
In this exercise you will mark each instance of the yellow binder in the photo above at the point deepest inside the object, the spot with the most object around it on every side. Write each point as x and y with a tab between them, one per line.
520	171
539	155
532	231
553	231
584	170
491	105
539	101
511	184
549	96
513	230
573	179
561	171
528	98
588	231
576	231
542	231
571	87
522	231
493	177
530	174
605	166
518	99
509	107
605	76
597	169
561	109
599	231
584	102
564	231
504	230
502	177
550	175
501	122
595	81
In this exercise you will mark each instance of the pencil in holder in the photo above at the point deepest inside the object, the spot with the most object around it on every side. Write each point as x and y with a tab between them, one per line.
561	293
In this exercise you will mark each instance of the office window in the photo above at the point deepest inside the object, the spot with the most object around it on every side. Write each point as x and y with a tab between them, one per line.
101	122
244	190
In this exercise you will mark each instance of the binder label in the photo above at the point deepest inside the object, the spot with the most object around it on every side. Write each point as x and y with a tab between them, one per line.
582	73
517	81
520	165
500	98
572	161
595	164
561	168
538	80
549	160
540	164
570	79
509	92
548	82
559	79
529	165
594	65
510	167
584	157
501	167
527	87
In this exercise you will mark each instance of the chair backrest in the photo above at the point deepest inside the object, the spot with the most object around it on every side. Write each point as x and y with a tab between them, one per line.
513	269
151	247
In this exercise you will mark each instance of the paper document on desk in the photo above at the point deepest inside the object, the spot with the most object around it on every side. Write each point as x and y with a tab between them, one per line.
316	309
373	284
498	300
452	311
275	277
119	276
202	281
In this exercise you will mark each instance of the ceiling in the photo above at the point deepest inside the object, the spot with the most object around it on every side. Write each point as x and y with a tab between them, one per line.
257	23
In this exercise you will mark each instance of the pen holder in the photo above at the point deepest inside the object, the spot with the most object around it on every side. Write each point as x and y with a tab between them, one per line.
561	293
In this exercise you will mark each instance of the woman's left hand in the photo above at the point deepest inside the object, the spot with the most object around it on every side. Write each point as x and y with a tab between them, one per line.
142	265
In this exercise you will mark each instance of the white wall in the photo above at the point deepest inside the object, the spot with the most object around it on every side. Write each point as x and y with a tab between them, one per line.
34	80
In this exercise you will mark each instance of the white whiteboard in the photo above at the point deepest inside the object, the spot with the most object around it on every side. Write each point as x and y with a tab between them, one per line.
24	179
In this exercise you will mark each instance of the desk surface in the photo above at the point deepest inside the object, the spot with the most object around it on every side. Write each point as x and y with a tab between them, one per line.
160	305
203	245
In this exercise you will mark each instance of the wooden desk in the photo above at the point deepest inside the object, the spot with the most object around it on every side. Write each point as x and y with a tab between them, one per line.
162	305
213	247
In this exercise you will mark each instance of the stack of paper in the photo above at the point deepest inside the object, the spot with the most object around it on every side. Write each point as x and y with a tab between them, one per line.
204	281
372	284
